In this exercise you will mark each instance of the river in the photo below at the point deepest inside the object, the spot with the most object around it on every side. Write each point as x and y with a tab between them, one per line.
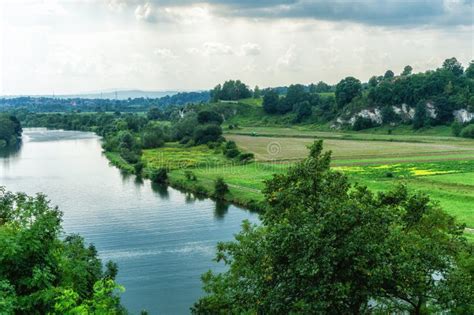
161	238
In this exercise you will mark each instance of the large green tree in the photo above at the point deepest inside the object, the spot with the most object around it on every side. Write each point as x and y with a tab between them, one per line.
37	267
325	247
346	90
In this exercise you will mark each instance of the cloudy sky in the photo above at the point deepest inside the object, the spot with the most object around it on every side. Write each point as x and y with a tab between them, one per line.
75	46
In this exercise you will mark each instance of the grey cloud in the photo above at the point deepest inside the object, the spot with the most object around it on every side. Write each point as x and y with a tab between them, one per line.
371	12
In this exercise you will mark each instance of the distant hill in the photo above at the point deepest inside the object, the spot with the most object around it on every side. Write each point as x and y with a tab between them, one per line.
111	94
120	94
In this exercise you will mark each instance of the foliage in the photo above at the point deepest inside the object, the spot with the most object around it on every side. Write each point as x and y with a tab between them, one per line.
327	247
10	130
230	90
346	90
37	266
362	123
220	188
468	131
270	102
159	176
207	133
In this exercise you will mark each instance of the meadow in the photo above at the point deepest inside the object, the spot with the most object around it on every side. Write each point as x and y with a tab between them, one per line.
440	166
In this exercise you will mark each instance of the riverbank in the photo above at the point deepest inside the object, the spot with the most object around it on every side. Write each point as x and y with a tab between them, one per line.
443	168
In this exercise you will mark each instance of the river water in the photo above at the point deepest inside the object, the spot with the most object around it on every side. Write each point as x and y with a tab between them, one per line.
162	239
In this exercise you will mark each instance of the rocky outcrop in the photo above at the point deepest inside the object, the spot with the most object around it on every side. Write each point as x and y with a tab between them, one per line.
463	116
404	111
431	110
373	114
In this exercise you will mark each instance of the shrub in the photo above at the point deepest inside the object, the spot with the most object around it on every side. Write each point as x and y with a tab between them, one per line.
200	190
189	175
363	123
246	157
468	131
159	176
138	167
207	133
456	128
232	153
220	188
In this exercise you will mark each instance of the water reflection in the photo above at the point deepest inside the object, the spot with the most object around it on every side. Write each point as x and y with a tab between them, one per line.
161	190
161	239
221	209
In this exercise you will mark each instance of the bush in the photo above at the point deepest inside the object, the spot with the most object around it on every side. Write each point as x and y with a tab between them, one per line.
363	123
246	157
189	175
207	133
468	131
159	176
129	156
232	153
220	188
200	190
456	128
138	167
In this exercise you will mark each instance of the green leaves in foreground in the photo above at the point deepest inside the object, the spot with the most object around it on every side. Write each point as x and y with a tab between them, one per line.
40	273
326	247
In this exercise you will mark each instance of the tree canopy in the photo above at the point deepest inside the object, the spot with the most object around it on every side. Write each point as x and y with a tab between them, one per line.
42	273
325	246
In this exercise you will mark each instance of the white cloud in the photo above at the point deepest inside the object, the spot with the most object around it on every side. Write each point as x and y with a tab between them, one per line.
288	61
212	49
250	49
145	12
164	53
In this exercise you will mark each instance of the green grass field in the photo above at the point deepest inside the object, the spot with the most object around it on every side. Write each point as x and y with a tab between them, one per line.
440	166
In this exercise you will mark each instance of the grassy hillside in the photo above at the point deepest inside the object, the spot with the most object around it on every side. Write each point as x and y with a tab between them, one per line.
440	166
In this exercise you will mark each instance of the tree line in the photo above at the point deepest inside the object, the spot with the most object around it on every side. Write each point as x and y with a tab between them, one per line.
10	130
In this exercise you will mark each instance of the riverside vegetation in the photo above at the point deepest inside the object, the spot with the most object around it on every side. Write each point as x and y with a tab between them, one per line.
230	149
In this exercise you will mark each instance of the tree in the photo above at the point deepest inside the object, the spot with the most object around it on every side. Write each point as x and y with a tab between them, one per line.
38	264
322	87
302	110
159	176
230	90
10	130
389	75
407	70
421	116
468	131
153	136
325	247
256	92
270	102
470	70
154	113
346	90
220	188
388	115
207	133
373	81
208	117
454	66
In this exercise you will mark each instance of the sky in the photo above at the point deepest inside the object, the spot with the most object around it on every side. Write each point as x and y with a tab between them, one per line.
74	46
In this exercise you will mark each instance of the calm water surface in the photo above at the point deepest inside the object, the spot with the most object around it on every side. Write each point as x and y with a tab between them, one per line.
162	239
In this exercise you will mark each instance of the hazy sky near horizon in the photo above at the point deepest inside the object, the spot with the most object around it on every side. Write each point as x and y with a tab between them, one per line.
88	45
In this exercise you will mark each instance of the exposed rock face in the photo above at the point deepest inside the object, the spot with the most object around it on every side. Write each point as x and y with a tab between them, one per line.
404	111
373	114
431	110
463	116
